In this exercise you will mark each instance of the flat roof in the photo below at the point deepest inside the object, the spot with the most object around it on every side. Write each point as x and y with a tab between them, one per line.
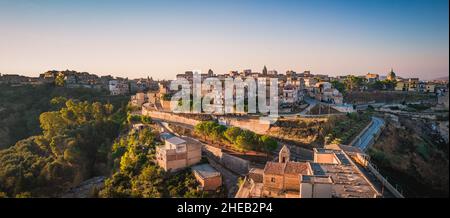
205	171
175	140
316	179
345	148
347	180
166	135
339	154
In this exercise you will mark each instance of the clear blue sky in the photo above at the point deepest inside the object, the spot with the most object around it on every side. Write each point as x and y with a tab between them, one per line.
166	37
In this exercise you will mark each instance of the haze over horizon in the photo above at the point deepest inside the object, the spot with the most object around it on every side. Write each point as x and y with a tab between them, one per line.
163	38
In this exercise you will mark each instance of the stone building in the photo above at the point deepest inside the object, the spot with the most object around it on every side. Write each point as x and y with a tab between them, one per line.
291	94
139	99
290	179
332	173
177	154
372	77
323	91
209	178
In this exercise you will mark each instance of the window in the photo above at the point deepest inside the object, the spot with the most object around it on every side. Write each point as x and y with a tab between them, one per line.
272	179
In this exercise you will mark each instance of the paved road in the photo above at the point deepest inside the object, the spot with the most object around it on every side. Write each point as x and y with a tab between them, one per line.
311	103
366	138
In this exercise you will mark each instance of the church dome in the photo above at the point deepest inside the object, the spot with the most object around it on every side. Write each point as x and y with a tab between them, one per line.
391	75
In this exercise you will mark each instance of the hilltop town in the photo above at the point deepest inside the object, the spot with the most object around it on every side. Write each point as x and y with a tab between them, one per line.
329	139
336	166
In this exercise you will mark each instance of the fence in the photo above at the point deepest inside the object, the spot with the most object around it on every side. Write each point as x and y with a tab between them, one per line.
384	181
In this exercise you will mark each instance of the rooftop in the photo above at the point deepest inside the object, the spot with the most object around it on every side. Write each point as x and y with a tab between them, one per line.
297	168
175	140
316	179
166	135
286	168
339	154
274	168
205	171
347	180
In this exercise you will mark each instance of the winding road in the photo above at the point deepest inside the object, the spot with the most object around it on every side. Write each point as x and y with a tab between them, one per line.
366	138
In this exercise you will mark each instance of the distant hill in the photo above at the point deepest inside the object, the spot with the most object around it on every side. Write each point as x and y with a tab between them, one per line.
442	78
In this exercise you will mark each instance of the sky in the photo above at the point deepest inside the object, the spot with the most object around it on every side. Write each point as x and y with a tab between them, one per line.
166	37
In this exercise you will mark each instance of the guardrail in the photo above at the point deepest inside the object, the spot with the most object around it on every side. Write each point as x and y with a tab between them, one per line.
384	181
370	166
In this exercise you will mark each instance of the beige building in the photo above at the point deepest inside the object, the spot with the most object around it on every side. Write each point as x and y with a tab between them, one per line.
413	84
139	99
291	94
152	96
371	77
323	91
291	179
209	178
401	85
177	154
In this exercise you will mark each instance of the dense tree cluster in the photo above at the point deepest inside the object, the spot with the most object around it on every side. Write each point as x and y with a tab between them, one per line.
20	107
131	118
355	83
242	140
74	146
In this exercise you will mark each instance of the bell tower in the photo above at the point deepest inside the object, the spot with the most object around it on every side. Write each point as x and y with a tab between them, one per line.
284	155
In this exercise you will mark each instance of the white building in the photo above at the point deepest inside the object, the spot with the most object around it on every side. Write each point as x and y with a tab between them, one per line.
118	87
323	91
291	94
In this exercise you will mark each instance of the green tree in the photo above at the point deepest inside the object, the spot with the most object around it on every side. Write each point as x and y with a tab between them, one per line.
217	132
377	85
268	143
338	85
354	83
148	184
232	133
146	119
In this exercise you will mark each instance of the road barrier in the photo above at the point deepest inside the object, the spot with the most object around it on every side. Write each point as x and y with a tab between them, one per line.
384	181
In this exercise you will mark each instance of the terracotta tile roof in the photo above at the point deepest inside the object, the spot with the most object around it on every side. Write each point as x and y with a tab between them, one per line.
274	168
296	168
286	168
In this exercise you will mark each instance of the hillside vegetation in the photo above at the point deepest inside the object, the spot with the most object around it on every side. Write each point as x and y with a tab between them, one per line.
20	107
413	158
73	146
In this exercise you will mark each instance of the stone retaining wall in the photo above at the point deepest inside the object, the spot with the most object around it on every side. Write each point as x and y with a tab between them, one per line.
235	164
